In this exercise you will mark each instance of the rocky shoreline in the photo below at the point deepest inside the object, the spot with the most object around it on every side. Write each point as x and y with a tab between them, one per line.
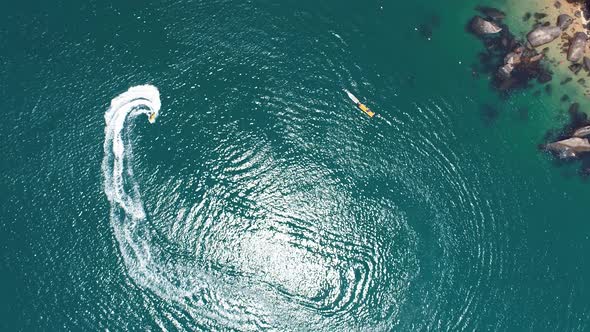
517	64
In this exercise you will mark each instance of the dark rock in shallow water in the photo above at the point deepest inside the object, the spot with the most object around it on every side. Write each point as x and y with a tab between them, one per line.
489	112
526	17
548	89
587	63
578	14
582	81
564	98
578	119
565	81
543	35
540	16
564	21
577	47
557	4
480	26
491	12
425	30
575	68
544	77
506	84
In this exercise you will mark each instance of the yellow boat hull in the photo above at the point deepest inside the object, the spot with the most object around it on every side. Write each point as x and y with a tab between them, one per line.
365	109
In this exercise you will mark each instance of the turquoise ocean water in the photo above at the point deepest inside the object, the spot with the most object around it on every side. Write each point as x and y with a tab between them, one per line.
262	199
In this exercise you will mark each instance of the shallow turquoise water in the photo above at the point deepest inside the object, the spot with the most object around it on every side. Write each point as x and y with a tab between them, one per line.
270	201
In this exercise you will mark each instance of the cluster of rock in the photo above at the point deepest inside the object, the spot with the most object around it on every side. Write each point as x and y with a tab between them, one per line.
542	35
574	142
513	63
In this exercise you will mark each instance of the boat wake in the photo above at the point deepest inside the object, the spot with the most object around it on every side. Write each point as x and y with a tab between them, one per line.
288	272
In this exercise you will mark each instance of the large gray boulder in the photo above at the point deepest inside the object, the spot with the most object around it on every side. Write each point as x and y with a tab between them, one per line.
569	148
482	27
564	21
543	35
577	47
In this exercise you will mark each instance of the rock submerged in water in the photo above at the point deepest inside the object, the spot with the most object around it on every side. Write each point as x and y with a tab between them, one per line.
526	17
544	77
570	147
577	46
482	27
491	12
543	35
564	21
575	68
539	16
587	63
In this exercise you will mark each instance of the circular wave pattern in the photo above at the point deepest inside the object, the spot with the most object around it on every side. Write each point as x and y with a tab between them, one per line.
300	214
270	246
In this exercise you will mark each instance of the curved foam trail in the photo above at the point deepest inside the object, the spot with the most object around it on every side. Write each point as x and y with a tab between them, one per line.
148	264
142	99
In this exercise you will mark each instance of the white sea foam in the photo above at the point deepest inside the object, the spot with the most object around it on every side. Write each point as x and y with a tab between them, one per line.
142	99
150	266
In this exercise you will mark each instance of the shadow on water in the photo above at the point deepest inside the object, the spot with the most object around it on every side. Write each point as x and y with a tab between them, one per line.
427	27
489	113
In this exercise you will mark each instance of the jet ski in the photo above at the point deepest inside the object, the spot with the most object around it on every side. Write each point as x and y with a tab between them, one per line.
360	105
152	117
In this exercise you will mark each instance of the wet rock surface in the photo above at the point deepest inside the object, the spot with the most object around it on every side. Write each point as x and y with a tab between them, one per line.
571	143
543	35
564	21
480	26
577	47
569	147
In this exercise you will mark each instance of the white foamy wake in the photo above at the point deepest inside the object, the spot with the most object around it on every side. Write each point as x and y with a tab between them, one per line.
142	99
153	267
266	280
